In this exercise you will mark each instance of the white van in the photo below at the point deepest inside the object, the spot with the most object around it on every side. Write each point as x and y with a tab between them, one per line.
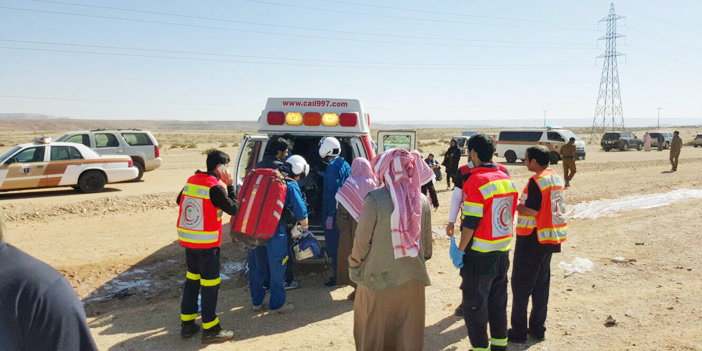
306	121
512	143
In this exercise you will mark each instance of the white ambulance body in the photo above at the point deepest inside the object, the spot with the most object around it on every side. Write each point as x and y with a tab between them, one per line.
306	121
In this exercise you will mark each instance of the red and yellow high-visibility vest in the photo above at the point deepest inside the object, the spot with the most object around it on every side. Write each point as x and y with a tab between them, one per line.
550	223
199	222
491	196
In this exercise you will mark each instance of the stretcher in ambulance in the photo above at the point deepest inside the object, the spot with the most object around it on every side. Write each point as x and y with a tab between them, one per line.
304	122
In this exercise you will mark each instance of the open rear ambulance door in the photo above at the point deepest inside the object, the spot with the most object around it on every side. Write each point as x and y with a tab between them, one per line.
397	139
250	153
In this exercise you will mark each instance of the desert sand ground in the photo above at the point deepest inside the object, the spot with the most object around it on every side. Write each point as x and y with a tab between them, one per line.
124	238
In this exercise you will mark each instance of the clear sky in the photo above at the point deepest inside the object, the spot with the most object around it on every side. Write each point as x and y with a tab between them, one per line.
407	60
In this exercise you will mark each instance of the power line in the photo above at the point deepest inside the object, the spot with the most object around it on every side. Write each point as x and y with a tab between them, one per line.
270	33
292	27
664	39
120	101
230	55
454	14
412	18
398	67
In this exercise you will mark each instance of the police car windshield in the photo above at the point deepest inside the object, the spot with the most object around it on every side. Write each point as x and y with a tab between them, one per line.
568	134
8	153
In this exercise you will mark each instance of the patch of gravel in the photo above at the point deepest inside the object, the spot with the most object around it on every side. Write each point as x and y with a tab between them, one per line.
117	204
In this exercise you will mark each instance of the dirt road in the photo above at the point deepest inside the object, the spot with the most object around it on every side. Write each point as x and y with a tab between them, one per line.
118	250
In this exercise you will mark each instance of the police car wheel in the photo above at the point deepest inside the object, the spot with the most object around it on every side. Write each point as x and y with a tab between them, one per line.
92	182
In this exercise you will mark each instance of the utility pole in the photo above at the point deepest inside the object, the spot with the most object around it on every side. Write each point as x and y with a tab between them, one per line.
659	117
545	118
608	110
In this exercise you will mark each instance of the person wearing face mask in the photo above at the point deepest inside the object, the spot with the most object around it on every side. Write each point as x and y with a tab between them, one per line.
335	176
457	200
483	250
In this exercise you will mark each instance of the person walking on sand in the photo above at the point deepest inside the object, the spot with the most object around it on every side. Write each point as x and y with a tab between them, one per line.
675	147
660	141
541	228
452	158
568	153
393	241
350	197
647	141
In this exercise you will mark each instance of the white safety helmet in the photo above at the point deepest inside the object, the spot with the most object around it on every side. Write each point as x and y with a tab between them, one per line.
329	146
298	166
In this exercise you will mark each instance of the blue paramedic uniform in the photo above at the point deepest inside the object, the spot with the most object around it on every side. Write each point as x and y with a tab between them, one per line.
337	172
273	257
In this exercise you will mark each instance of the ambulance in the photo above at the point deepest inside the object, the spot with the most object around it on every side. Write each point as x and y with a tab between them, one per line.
304	122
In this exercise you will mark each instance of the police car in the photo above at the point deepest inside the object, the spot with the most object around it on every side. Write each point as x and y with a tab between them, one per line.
45	164
304	122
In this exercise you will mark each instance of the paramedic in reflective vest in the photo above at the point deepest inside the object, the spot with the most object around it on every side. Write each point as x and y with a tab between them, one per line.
457	199
541	228
202	200
270	260
486	233
335	176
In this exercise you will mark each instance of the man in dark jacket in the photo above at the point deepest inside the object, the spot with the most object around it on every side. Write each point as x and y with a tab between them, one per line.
38	308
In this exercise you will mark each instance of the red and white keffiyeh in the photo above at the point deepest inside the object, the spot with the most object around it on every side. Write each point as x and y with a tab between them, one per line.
357	186
404	173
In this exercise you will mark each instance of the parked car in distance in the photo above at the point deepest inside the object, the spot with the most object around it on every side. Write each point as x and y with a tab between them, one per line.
697	141
513	143
468	133
667	139
140	145
462	143
45	164
620	140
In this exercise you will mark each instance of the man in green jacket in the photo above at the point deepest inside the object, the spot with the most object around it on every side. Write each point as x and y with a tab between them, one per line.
675	147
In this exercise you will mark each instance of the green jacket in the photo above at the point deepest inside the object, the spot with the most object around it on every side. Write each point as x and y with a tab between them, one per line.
372	262
676	144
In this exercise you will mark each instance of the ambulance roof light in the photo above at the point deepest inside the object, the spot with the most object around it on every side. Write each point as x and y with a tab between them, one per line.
293	118
312	119
348	119
276	118
330	119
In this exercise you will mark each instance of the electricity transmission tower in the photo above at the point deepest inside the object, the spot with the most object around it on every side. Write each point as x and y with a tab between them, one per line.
608	111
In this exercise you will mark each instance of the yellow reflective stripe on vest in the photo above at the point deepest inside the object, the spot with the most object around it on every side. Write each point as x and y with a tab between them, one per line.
498	342
553	234
526	221
473	209
188	317
209	325
197	237
482	245
210	282
548	181
198	191
498	187
481	348
191	276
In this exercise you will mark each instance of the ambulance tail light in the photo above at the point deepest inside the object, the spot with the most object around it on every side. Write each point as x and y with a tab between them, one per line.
293	118
130	163
157	151
330	119
368	117
348	119
276	118
312	119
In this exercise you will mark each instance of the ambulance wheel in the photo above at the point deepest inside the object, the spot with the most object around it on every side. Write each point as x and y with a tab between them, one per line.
510	156
92	182
554	158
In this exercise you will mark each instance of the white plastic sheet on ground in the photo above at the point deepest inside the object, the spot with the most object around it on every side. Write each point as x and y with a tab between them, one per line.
579	265
607	207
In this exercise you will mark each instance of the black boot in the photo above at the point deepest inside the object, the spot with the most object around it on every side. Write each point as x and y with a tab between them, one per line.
187	330
216	335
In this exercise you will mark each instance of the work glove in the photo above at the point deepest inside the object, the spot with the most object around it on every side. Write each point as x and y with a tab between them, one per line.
330	223
456	254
